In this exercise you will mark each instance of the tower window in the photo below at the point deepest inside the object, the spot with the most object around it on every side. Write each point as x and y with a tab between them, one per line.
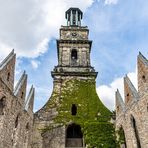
74	17
74	109
74	54
2	105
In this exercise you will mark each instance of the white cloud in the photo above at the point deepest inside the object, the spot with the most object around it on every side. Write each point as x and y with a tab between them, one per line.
108	2
107	92
42	94
35	64
28	26
6	50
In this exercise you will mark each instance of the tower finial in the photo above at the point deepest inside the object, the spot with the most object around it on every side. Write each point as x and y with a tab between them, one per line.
74	16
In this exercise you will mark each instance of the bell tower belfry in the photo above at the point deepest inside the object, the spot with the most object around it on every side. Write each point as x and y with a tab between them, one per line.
74	110
74	47
74	16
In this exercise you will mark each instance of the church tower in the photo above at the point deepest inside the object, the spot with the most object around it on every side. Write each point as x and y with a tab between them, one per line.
73	116
74	48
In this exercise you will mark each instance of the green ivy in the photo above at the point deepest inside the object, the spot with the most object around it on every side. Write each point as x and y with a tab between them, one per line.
93	117
121	136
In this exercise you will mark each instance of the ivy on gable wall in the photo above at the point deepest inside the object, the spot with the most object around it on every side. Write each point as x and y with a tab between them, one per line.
93	117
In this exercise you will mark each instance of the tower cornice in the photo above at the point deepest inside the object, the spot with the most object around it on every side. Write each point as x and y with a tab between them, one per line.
79	74
74	42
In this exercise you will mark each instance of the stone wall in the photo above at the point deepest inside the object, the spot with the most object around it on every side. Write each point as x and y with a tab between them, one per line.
15	120
132	115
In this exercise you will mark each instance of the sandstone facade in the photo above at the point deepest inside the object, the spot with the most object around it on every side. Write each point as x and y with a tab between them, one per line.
74	105
73	116
132	115
16	110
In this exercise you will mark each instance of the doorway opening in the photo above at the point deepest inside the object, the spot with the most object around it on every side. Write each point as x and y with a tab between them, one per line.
74	136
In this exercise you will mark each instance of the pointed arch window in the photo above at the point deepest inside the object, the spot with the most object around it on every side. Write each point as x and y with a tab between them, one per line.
144	78
8	76
22	94
16	121
27	126
2	105
133	121
122	138
128	97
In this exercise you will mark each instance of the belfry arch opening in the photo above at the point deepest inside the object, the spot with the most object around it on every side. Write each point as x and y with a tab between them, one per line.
74	54
2	105
74	57
74	136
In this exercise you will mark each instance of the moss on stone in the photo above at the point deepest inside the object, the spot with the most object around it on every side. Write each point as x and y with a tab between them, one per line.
92	115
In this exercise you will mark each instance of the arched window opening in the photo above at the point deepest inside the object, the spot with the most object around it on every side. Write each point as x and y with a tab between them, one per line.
16	121
74	109
74	17
74	136
118	108
144	78
8	76
122	137
128	96
135	131
74	55
27	126
2	105
22	95
79	16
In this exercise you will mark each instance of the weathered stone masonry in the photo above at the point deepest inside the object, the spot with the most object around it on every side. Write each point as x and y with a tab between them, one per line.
16	111
132	115
73	116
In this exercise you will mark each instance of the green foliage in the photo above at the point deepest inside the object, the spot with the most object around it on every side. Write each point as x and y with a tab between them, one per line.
121	135
100	135
92	115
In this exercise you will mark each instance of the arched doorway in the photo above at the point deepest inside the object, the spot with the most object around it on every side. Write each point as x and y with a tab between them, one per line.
74	136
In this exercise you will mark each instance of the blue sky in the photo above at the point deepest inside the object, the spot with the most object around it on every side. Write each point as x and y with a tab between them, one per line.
118	29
